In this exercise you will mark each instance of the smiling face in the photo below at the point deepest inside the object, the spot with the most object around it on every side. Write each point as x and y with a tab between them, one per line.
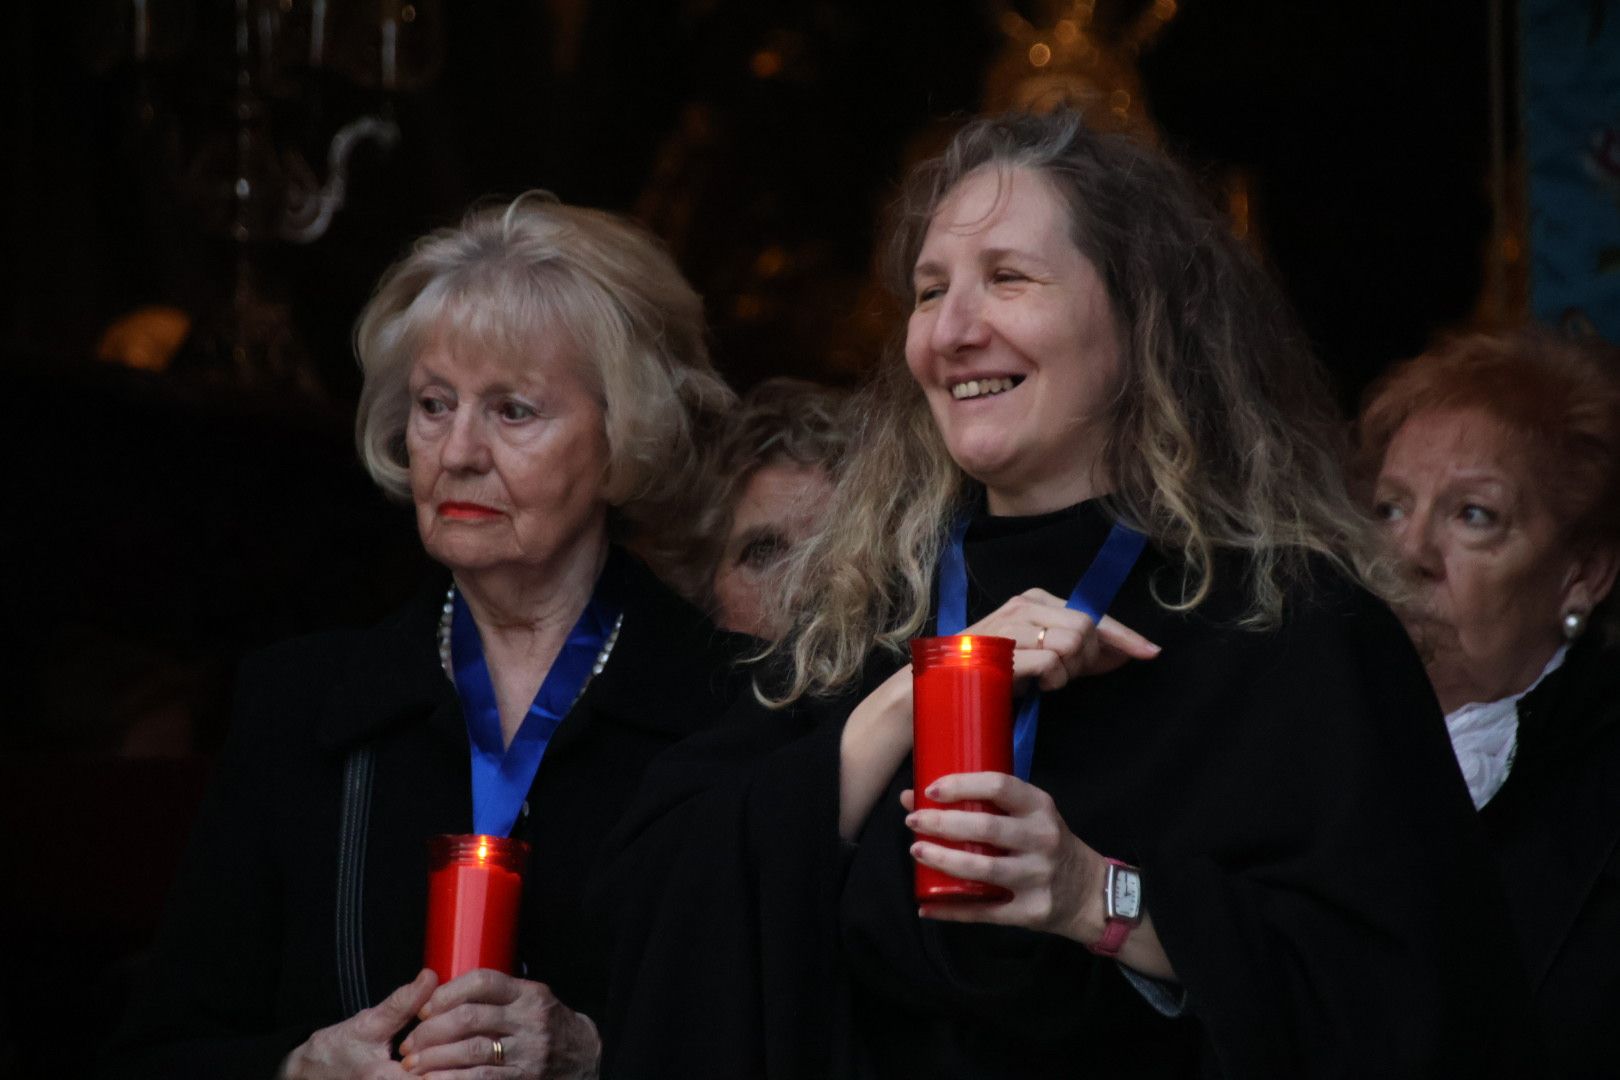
1013	341
507	460
1491	572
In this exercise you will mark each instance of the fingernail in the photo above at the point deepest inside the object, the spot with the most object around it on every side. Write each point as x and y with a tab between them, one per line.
408	1062
933	791
911	821
407	1046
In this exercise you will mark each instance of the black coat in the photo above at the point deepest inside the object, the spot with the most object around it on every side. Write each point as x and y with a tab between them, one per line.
246	966
1555	828
1311	860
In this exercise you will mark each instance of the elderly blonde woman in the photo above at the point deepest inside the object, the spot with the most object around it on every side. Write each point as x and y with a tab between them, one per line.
531	378
1235	844
1494	462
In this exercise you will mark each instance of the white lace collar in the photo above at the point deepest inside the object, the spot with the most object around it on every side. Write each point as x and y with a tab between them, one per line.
1485	735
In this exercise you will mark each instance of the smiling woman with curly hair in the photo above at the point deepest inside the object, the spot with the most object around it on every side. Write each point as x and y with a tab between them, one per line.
1235	844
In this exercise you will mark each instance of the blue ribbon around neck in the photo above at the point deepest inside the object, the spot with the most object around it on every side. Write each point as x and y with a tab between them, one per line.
502	775
1092	594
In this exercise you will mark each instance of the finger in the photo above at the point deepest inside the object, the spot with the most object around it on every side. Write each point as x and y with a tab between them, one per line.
1045	667
1008	792
382	1020
908	799
461	1022
1117	635
967	865
482	985
963	825
469	1053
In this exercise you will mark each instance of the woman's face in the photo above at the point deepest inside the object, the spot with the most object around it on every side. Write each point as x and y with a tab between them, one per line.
1491	571
779	509
507	459
1013	342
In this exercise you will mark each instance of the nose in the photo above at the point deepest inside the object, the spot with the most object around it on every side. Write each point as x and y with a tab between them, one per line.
1415	546
466	446
960	322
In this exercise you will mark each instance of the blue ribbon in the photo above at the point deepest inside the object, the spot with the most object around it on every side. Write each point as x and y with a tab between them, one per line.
502	775
1092	594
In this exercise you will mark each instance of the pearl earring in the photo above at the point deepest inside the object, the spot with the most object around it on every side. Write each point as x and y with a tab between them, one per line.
1574	624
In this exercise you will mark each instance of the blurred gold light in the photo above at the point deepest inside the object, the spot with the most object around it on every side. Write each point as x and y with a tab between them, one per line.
146	339
772	261
1165	9
966	644
1067	31
1119	100
765	63
407	13
1040	54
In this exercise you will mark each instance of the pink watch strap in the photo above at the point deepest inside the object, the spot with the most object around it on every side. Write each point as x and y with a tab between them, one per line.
1115	931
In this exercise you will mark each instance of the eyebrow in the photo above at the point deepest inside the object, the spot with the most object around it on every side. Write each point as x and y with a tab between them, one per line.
988	255
755	533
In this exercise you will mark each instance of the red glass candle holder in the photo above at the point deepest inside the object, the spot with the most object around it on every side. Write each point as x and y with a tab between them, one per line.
962	721
475	884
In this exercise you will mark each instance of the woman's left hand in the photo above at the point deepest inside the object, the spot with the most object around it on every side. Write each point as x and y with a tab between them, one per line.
540	1037
1056	879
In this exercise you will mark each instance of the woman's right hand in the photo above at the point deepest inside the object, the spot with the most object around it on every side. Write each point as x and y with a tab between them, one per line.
361	1047
1056	645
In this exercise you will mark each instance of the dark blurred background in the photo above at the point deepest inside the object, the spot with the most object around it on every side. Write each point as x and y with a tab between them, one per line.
174	322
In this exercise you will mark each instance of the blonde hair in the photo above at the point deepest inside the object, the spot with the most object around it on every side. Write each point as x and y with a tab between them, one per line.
512	274
1222	435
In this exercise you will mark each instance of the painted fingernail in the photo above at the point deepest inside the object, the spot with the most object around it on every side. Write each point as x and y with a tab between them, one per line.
932	791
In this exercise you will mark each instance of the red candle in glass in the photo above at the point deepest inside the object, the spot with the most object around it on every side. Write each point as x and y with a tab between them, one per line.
475	884
961	722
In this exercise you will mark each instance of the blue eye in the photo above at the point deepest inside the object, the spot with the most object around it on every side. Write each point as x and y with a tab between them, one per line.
433	406
1477	516
1388	511
515	411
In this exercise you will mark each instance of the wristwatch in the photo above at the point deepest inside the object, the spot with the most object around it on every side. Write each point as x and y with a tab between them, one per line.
1122	905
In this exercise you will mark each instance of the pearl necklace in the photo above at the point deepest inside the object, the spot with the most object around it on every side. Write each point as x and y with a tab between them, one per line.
447	616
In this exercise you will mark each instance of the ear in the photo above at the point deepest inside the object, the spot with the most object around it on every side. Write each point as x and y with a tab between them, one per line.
1591	575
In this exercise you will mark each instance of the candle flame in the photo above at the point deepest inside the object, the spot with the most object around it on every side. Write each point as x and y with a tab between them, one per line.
967	644
483	851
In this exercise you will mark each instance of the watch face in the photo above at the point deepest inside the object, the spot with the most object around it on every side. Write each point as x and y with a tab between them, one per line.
1127	893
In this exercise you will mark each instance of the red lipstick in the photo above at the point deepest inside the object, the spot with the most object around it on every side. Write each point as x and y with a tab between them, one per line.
466	511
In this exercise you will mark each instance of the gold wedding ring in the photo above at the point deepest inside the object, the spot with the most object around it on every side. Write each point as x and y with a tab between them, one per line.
497	1051
1040	639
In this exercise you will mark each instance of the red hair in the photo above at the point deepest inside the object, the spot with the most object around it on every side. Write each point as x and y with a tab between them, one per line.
1560	395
